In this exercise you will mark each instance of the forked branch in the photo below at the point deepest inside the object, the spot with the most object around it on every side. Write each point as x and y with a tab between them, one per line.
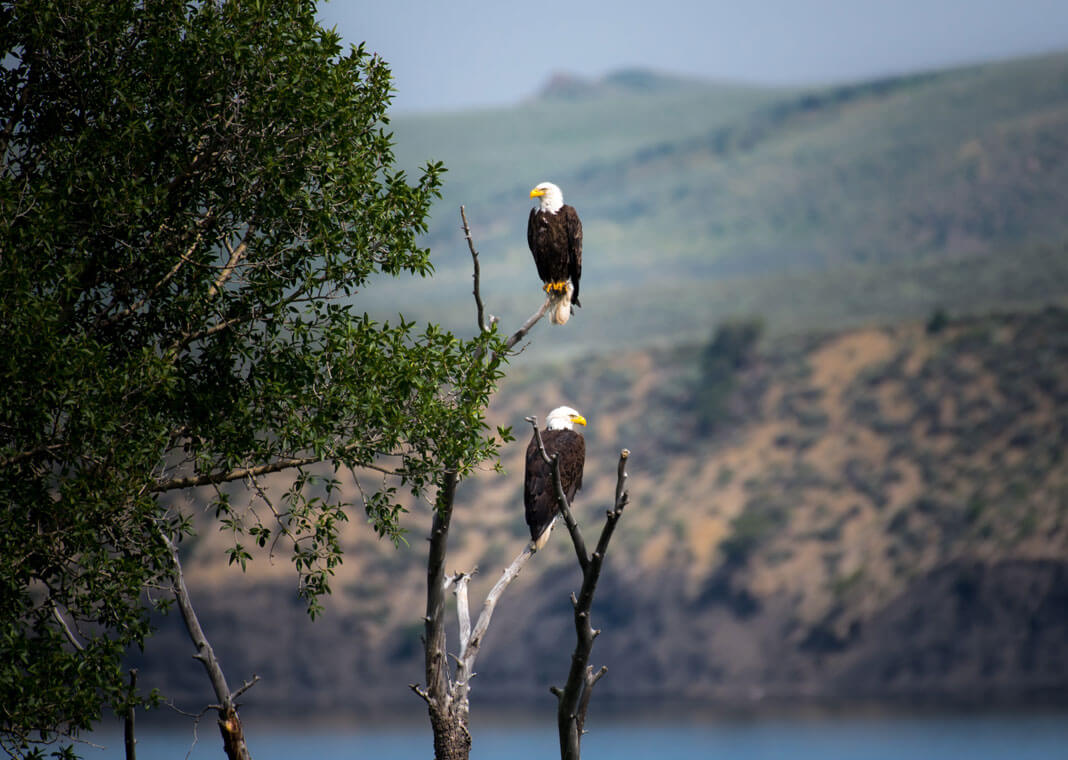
480	311
470	645
445	693
574	698
229	722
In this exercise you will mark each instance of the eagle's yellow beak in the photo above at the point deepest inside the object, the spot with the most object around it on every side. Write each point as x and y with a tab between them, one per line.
579	419
537	193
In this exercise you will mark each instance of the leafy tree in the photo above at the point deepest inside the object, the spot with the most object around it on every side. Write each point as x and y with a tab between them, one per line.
938	321
729	350
192	195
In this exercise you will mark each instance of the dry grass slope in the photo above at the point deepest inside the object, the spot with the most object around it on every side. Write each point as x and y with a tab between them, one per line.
856	475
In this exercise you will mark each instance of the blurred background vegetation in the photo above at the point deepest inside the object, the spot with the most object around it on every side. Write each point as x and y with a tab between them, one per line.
830	325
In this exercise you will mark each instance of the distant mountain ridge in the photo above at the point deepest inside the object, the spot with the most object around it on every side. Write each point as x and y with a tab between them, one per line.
564	86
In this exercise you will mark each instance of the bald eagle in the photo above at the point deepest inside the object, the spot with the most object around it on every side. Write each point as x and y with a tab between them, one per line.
554	234
539	493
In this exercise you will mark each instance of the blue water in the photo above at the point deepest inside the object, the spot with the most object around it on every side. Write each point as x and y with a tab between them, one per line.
972	737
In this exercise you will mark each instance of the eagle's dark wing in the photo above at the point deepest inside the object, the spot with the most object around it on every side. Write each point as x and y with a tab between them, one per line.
574	246
537	491
530	233
539	494
536	241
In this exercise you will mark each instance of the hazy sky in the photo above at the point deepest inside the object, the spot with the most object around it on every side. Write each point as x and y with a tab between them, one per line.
450	54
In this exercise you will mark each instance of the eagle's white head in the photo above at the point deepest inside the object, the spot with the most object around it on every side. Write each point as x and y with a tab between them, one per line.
549	197
563	418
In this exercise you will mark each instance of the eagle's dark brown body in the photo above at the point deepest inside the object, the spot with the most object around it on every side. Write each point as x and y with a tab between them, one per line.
539	493
555	241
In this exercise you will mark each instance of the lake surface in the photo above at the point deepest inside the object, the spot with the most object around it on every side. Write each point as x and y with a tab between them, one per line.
915	737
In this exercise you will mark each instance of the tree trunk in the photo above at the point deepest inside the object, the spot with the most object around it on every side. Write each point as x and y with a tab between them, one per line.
232	735
452	740
229	723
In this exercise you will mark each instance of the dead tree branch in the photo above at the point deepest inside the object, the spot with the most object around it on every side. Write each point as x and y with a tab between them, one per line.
470	645
66	628
483	324
129	732
532	320
574	698
480	311
446	693
240	473
229	722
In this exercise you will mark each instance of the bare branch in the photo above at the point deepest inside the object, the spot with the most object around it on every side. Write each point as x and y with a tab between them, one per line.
531	321
129	733
483	325
285	463
420	691
205	653
66	628
470	647
215	478
482	624
587	692
621	480
236	254
30	454
574	698
462	613
229	722
246	686
183	258
480	311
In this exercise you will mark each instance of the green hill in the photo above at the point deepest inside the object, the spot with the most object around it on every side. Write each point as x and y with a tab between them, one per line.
702	200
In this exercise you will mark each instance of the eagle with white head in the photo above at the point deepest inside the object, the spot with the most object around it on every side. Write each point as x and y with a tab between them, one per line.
554	234
539	493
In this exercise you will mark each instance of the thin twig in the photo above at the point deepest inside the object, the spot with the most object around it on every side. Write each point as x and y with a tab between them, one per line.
522	331
246	686
66	628
574	698
420	691
481	313
483	325
236	254
215	478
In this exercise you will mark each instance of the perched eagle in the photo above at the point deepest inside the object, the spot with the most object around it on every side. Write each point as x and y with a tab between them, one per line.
554	234
539	492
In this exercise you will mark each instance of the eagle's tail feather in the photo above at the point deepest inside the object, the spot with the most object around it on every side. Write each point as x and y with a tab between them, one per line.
543	539
560	305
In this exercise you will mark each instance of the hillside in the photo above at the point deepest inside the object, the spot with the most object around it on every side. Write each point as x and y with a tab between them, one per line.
704	200
879	512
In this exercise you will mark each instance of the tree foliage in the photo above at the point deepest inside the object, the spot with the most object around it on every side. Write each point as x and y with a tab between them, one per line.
727	352
192	195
